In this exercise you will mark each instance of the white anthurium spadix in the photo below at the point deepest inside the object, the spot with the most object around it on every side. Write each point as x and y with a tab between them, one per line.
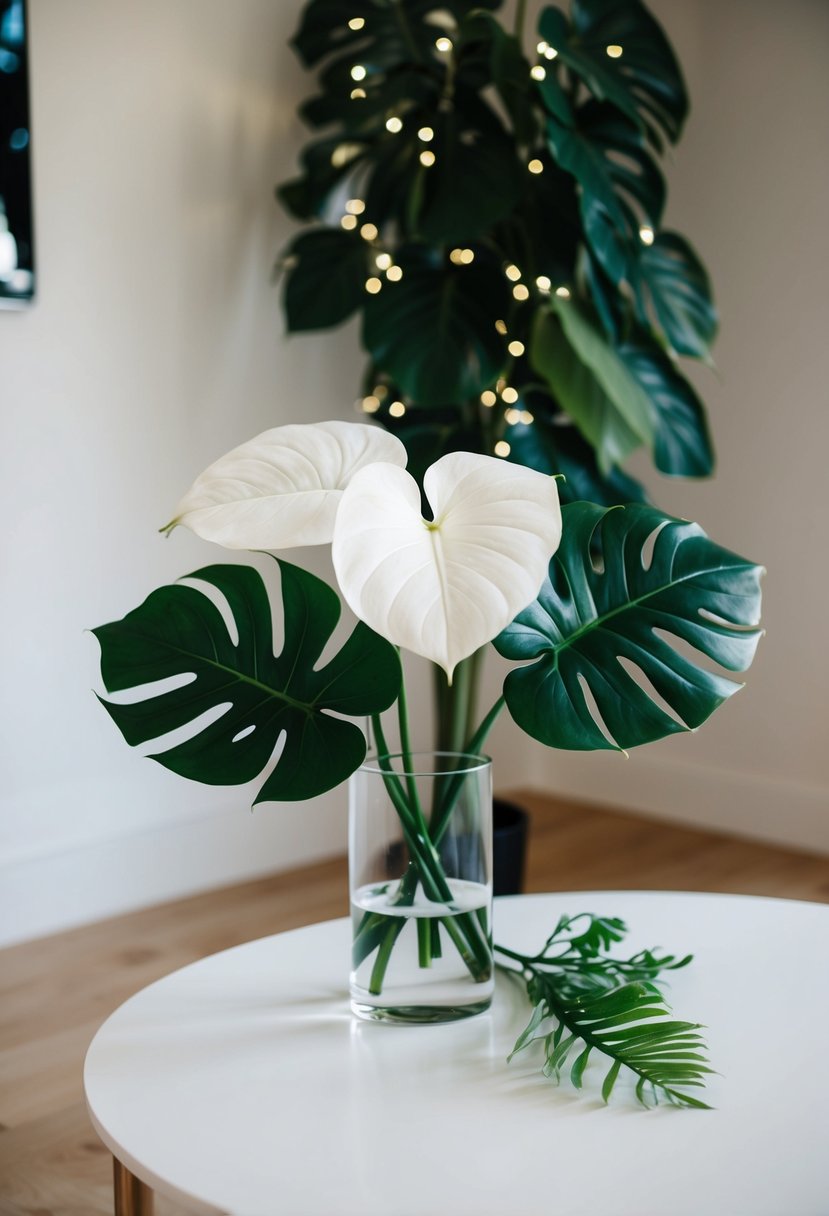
283	488
445	587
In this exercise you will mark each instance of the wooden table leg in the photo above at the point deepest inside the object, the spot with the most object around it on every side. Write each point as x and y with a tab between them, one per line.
132	1197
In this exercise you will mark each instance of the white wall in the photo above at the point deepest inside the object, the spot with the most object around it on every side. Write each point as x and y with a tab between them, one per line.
158	132
750	188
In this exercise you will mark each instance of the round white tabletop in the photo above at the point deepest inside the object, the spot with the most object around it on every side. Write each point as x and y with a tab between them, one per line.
242	1084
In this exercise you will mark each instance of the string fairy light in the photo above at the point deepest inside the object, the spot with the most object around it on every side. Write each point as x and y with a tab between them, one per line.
394	274
394	124
535	166
510	395
358	72
373	285
355	206
563	293
426	134
516	348
397	409
538	72
520	292
357	93
502	448
488	398
543	283
369	232
370	405
646	235
501	326
383	261
443	44
512	416
614	51
349	222
427	158
512	272
356	23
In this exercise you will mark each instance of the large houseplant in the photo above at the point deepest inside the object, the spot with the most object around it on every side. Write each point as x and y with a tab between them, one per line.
489	201
582	601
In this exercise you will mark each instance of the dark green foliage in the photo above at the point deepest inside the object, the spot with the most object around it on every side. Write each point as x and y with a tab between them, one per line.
178	632
597	126
622	584
586	1002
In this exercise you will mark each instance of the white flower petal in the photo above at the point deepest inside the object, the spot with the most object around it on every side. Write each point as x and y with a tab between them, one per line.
282	489
443	589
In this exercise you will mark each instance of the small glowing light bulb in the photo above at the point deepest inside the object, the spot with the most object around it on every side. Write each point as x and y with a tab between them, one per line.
521	292
526	417
443	44
646	235
535	166
370	405
502	448
383	261
455	257
373	285
357	93
426	134
394	124
467	256
516	348
355	206
501	326
358	72
488	398
542	47
356	23
397	409
427	158
368	232
538	72
509	395
512	272
500	384
394	274
512	416
563	293
381	391
550	52
349	222
543	283
614	51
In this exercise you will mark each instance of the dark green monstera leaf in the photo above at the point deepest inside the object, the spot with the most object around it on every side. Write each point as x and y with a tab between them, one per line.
553	445
682	444
623	583
622	188
178	631
644	83
675	283
326	283
434	332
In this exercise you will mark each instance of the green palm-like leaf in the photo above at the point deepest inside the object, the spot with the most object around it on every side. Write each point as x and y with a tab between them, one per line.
605	618
178	631
631	1026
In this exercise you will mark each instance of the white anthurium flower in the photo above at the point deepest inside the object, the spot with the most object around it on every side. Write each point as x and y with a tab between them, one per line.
444	588
282	489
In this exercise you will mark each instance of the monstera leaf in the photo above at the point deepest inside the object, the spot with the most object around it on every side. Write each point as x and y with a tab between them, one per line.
676	282
622	583
682	445
434	332
327	283
644	82
178	631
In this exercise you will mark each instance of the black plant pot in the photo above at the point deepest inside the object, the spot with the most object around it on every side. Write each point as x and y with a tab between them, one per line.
510	825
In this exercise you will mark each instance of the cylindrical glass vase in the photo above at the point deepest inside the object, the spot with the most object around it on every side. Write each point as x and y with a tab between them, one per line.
420	865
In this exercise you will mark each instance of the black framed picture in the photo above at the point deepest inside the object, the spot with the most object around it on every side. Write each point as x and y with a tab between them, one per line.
17	269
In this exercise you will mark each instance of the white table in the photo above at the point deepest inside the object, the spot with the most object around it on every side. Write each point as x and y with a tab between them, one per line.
242	1084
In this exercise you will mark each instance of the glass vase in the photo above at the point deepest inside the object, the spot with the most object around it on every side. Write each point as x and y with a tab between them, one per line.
420	872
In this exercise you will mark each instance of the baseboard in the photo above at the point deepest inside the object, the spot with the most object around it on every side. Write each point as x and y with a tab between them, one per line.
74	886
742	804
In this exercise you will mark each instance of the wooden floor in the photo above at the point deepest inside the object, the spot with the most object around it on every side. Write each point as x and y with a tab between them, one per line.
57	991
